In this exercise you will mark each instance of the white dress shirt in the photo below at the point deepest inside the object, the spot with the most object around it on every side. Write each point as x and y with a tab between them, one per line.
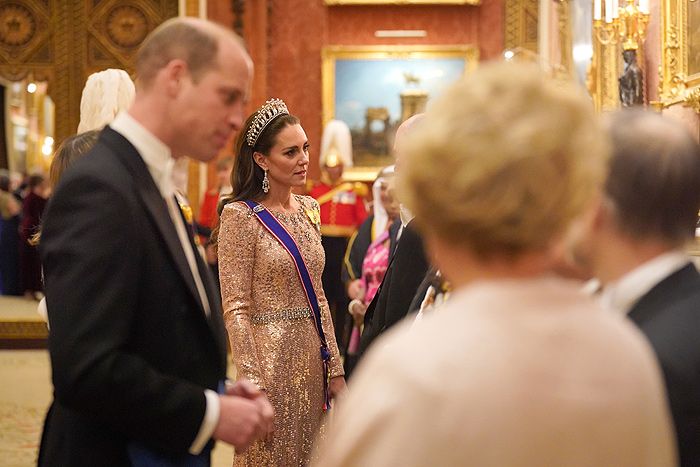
622	295
159	160
406	216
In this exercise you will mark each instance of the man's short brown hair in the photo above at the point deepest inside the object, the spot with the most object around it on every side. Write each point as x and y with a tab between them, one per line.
654	179
196	42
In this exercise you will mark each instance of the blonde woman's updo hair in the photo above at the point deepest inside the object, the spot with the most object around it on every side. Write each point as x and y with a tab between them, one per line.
503	161
105	94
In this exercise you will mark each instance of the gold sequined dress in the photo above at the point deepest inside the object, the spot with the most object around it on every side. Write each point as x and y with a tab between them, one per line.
273	339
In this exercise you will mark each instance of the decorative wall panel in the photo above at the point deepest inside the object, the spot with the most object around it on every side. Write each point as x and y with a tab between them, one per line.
521	19
64	41
25	31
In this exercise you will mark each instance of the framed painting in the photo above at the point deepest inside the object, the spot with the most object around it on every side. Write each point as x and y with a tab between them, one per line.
402	2
374	88
680	49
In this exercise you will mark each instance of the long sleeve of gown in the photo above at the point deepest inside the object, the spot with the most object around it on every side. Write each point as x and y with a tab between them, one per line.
329	331
237	236
327	321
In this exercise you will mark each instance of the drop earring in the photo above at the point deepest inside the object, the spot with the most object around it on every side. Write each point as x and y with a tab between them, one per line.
265	183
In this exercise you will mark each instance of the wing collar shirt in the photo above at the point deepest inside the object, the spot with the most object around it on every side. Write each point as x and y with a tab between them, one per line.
406	216
159	160
623	294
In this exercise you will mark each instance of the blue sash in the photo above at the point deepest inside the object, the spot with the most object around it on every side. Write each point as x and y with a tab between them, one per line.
287	241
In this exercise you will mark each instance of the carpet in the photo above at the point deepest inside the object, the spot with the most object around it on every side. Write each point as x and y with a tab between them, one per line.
25	395
21	327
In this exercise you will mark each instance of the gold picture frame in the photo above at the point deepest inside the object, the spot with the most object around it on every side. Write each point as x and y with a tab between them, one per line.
363	86
680	50
402	2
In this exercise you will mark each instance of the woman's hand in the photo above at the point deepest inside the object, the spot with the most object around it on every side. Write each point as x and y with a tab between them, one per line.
356	289
337	386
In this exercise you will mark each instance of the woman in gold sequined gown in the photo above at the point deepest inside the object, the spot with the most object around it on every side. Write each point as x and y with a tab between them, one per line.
273	338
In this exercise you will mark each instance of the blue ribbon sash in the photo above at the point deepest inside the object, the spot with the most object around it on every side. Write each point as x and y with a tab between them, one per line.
287	241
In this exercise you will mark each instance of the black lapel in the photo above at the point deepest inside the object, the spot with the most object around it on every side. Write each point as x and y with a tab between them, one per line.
215	321
153	202
369	313
680	284
393	233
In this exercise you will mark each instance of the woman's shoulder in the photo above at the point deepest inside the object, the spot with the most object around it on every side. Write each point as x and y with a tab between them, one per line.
307	201
237	210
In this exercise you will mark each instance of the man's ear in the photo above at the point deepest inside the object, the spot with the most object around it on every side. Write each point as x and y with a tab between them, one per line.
173	75
260	160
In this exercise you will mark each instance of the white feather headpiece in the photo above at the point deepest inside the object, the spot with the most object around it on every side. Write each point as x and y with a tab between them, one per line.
105	94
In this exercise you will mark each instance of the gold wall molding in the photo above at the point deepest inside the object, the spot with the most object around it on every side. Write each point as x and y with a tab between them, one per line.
64	41
692	100
25	32
566	61
521	20
675	73
196	171
604	72
194	8
402	2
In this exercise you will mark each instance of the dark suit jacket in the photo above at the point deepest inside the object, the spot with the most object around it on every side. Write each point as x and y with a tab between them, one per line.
431	279
131	346
391	303
669	315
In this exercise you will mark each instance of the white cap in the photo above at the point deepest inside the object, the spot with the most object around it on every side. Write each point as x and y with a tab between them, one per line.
336	143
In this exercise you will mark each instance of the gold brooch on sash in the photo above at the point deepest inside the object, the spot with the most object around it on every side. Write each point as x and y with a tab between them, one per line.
315	217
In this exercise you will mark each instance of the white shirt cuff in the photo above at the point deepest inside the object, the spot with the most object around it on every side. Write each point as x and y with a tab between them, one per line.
211	418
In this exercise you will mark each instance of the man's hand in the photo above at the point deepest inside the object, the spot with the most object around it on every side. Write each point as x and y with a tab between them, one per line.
240	422
243	388
248	390
357	309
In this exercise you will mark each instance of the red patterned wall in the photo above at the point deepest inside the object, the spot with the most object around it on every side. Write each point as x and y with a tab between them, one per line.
285	38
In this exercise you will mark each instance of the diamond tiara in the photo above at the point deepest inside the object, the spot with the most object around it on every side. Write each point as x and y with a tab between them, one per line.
271	109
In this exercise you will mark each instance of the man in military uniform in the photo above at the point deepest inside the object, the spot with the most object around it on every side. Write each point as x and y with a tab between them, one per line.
342	211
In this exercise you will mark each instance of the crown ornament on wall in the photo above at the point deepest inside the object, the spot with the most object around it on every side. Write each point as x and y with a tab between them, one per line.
268	112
